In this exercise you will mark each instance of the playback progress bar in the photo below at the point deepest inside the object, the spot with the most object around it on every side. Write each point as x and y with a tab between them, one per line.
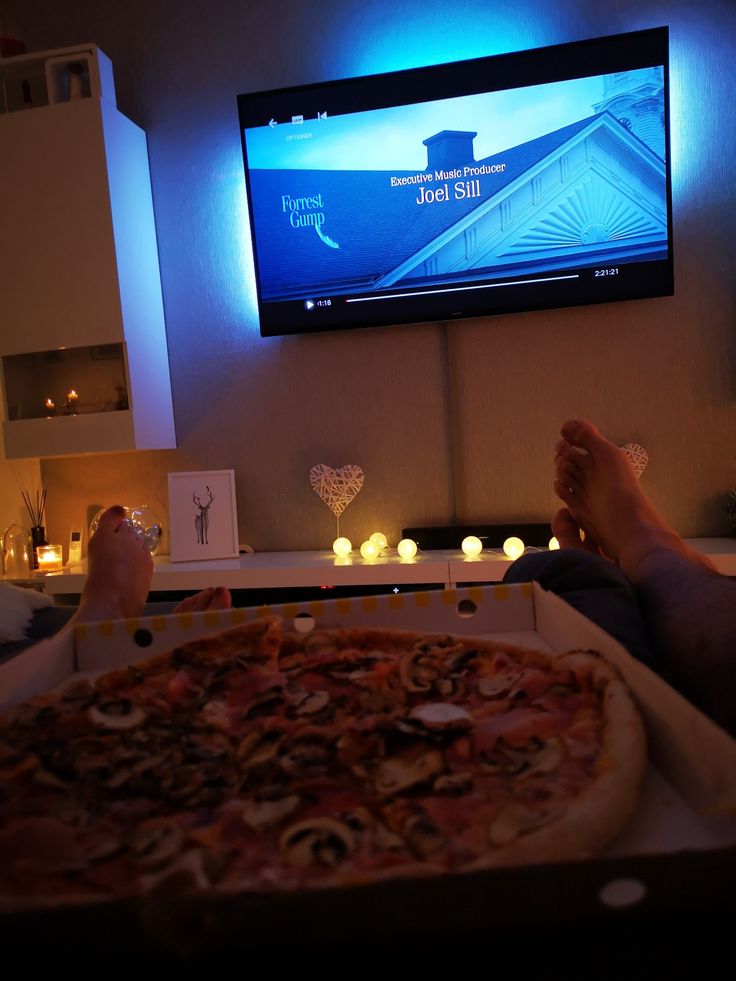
462	289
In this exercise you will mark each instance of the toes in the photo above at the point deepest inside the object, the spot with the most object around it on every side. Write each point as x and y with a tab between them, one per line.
111	519
565	493
569	452
195	603
567	471
575	485
222	599
185	606
565	529
203	600
208	599
582	433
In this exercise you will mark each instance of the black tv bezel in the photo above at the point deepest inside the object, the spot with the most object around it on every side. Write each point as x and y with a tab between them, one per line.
535	66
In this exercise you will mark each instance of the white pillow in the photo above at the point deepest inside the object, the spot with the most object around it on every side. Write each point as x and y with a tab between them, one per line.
16	610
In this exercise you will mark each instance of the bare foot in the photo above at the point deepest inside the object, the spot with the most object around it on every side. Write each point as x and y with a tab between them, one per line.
120	571
567	532
209	599
594	478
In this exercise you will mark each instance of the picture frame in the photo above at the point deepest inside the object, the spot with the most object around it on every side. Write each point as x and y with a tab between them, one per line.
203	518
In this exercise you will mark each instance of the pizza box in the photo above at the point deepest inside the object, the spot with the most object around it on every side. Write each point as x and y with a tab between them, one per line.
677	857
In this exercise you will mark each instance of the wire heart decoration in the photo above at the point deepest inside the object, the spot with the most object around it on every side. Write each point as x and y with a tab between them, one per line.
336	487
638	457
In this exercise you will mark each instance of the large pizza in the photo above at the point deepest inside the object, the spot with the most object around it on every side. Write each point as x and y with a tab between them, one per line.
259	759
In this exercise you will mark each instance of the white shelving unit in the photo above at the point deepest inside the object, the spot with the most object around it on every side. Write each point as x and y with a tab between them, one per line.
78	264
294	570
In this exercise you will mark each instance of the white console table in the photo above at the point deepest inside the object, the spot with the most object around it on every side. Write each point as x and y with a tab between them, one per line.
294	570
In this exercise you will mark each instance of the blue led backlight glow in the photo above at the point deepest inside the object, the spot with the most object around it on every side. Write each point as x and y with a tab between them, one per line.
403	38
243	288
692	116
231	273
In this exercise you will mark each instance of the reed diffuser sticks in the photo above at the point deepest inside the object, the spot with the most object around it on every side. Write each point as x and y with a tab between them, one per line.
36	513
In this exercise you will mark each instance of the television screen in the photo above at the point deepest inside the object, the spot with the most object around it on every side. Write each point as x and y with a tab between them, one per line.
515	182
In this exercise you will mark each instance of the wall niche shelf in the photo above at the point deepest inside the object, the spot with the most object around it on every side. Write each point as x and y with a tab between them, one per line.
79	272
44	78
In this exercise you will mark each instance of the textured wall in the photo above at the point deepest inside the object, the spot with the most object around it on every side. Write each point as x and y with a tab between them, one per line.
448	423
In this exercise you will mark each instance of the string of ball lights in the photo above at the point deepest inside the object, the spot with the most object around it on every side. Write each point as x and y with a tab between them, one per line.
374	546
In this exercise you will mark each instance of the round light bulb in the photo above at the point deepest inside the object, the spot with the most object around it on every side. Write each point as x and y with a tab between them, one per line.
380	539
472	546
407	548
513	547
342	547
369	550
553	544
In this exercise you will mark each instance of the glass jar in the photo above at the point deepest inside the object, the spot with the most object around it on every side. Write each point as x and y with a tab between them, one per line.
17	549
143	521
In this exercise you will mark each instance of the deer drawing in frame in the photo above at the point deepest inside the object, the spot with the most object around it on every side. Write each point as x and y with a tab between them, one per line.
202	520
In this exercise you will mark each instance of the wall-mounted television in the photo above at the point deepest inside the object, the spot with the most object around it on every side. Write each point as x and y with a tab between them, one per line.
516	182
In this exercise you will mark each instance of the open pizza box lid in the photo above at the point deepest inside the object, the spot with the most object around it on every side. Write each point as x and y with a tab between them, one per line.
688	801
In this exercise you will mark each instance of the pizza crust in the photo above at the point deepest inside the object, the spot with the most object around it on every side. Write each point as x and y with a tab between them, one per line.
592	820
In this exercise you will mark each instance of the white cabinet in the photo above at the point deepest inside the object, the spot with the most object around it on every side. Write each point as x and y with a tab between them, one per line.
79	277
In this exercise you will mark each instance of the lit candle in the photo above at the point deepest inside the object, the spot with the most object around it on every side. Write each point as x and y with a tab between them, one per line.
49	558
72	398
50	407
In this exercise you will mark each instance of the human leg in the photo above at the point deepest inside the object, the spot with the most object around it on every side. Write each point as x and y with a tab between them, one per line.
690	609
594	587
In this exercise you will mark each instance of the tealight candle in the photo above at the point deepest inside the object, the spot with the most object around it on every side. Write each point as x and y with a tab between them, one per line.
553	544
49	558
342	547
50	406
513	547
380	539
72	400
369	550
407	548
472	546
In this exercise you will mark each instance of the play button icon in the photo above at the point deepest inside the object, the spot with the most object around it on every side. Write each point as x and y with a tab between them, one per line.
309	304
